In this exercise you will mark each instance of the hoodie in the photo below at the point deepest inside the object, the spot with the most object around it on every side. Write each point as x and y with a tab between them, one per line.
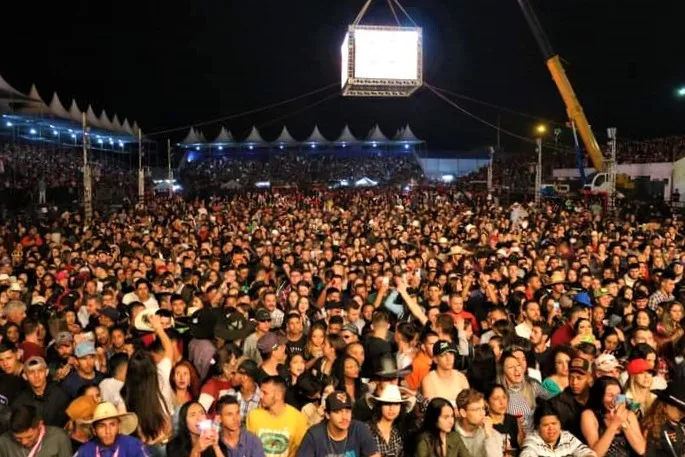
481	446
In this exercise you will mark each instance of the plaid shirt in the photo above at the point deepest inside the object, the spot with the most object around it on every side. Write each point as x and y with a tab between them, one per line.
392	448
246	404
657	298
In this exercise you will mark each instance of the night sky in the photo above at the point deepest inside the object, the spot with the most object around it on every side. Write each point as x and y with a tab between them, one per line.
167	64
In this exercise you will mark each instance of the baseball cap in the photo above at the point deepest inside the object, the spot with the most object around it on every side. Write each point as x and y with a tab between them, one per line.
579	365
602	292
350	328
84	348
262	315
249	367
337	401
606	362
64	339
62	275
35	362
267	343
443	347
638	366
111	313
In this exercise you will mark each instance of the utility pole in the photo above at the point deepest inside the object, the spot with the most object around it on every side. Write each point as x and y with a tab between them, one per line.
171	174
611	201
492	154
141	174
538	173
87	184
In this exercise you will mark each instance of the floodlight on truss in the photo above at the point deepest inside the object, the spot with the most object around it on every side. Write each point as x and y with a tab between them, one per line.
382	61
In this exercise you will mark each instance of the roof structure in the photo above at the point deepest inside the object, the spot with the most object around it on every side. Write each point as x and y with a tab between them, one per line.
105	122
75	113
407	135
191	137
255	138
36	105
346	137
91	118
224	137
117	124
127	127
57	109
285	138
9	93
316	137
376	136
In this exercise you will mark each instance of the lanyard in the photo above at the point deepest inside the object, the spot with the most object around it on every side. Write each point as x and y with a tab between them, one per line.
36	447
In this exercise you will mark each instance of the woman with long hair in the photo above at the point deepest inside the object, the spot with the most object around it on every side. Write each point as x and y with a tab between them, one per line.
437	437
347	377
670	328
498	400
483	366
333	347
610	428
315	341
663	422
523	392
558	381
196	436
385	422
221	375
142	395
185	382
639	387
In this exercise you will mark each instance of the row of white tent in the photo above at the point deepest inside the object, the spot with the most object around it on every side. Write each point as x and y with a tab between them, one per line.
33	105
375	137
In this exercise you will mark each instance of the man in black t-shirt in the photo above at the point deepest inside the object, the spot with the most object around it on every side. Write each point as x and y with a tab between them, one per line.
376	344
294	332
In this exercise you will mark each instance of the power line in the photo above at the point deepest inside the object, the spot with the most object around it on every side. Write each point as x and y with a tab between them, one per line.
305	108
244	113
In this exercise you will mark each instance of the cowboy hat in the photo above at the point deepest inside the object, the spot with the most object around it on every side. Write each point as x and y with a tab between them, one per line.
392	395
674	394
128	422
556	278
142	321
458	250
386	368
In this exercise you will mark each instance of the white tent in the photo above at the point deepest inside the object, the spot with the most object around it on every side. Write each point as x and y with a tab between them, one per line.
75	112
316	137
127	127
135	128
285	138
365	182
376	136
37	105
406	135
191	137
254	138
346	137
8	92
57	109
105	123
117	124
224	136
91	118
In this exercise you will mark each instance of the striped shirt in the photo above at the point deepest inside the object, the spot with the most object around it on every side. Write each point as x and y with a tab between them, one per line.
567	446
519	405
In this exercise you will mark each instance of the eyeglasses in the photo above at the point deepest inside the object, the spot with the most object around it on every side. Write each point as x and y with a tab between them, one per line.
478	409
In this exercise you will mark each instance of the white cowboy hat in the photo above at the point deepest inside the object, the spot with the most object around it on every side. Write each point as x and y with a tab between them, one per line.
128	422
392	394
142	321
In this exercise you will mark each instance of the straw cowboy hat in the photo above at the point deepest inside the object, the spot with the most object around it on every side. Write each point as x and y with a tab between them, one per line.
458	250
556	278
392	395
128	422
142	321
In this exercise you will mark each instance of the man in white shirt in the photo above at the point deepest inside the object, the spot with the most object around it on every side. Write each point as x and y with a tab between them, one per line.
110	388
142	294
530	313
162	352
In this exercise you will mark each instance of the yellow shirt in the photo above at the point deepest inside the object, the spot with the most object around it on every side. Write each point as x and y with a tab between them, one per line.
280	436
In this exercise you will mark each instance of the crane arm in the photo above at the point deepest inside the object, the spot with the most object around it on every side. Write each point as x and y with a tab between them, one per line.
574	109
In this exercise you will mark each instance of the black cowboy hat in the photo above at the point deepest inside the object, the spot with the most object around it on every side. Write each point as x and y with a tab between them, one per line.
674	394
386	368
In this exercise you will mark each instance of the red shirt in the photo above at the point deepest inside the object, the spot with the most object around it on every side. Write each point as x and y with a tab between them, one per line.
215	388
31	350
466	315
563	335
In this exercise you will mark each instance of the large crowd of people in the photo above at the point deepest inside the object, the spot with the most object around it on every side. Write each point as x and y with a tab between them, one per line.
359	323
302	168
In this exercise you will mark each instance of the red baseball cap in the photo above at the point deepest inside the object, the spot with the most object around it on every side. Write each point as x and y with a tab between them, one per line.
638	366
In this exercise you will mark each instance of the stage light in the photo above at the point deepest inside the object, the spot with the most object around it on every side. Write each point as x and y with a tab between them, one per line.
9	124
71	131
221	148
251	147
282	147
406	146
33	131
344	145
375	145
55	132
313	146
197	148
100	141
73	136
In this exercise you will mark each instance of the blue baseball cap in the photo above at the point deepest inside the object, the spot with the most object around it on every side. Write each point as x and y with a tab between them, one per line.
84	348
